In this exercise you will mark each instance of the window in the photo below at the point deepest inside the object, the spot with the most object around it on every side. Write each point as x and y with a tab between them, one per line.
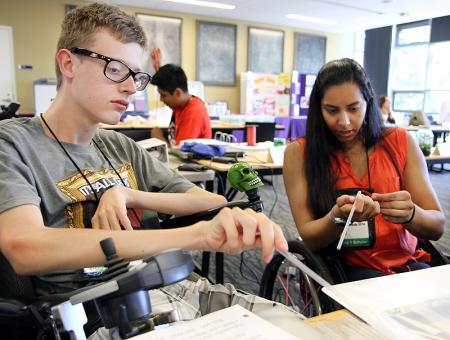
408	101
413	33
409	62
358	47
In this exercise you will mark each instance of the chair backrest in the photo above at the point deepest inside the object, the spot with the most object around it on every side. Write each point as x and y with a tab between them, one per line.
264	131
13	286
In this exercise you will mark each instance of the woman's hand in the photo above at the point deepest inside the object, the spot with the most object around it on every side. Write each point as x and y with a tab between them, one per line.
396	207
112	210
365	209
234	230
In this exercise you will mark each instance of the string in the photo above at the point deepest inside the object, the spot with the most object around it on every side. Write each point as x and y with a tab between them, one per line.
81	172
71	159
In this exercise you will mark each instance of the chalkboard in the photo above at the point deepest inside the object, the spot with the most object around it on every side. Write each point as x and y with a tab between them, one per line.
216	53
164	33
309	53
265	50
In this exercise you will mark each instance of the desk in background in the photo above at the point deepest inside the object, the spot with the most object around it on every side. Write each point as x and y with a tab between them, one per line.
437	130
142	130
436	159
206	176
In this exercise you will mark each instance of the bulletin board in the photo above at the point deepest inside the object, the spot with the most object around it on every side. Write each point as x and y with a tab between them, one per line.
165	34
309	53
265	50
216	53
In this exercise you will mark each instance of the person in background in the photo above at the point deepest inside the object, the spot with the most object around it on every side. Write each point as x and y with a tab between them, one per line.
190	117
65	184
386	112
346	149
155	57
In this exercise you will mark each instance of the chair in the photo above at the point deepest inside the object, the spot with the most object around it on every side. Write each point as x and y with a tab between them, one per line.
286	284
22	314
264	131
125	310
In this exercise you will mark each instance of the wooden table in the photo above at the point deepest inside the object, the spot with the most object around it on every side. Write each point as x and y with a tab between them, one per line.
436	159
151	125
142	130
206	176
437	130
344	325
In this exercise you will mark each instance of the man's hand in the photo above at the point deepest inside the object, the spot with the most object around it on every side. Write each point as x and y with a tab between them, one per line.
396	207
112	210
234	230
155	56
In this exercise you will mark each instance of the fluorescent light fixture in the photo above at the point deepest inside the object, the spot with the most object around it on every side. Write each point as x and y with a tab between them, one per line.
311	19
204	3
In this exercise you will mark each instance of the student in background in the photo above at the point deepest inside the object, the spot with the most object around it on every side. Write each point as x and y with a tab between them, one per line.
386	112
346	149
65	184
190	117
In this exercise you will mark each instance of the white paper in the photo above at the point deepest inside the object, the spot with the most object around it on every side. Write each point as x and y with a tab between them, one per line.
401	306
230	323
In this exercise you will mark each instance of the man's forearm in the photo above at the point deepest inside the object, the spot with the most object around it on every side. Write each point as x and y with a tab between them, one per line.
49	249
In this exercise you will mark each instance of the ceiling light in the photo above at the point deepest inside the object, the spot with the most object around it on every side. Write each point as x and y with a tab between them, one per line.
311	19
204	3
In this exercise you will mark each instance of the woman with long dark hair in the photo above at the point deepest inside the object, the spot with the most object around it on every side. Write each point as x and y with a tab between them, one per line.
346	150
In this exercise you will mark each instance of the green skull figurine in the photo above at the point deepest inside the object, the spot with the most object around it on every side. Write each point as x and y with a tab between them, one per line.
243	178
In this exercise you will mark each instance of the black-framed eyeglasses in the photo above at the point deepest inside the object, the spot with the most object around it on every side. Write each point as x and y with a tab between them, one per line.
116	70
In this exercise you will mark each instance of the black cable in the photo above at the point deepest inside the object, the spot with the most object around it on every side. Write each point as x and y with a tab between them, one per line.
79	170
276	195
71	159
242	264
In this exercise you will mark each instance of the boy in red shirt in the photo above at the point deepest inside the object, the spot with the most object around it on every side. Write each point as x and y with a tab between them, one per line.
189	117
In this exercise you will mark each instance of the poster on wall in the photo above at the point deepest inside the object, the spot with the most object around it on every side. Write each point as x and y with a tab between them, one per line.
216	53
265	94
309	53
265	50
163	33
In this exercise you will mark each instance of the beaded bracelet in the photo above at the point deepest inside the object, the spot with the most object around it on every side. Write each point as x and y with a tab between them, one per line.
412	216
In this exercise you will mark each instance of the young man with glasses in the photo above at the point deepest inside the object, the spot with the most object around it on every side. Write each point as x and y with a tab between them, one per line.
65	184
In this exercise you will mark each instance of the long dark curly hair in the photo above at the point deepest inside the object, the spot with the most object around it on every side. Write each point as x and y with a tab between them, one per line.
321	144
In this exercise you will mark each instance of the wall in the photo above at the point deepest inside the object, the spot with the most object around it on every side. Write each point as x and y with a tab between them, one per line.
36	28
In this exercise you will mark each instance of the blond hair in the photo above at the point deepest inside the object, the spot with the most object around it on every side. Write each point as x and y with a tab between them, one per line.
81	23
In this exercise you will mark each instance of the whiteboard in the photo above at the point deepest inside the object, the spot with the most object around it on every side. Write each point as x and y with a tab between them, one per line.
7	70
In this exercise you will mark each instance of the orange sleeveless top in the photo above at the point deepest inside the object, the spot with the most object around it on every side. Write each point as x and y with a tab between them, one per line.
394	245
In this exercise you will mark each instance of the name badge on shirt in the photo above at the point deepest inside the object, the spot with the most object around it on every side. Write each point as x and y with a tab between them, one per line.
360	235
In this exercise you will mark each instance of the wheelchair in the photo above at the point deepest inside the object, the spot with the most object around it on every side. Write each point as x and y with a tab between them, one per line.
7	112
118	299
284	283
127	310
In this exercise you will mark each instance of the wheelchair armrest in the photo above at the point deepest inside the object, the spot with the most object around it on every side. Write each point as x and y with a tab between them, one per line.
182	221
438	257
14	312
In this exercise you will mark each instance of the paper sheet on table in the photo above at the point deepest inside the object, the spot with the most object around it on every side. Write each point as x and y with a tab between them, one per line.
234	323
413	305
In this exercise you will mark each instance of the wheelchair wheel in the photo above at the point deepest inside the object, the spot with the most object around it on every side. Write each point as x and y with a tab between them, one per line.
284	283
